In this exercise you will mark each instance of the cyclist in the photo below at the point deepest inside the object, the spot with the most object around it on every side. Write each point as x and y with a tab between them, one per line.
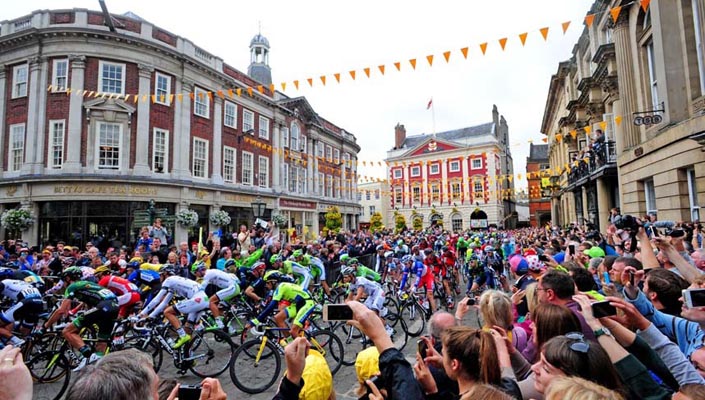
363	271
451	266
103	312
147	280
27	305
370	290
23	275
439	272
228	284
127	292
195	302
393	267
318	271
300	304
301	274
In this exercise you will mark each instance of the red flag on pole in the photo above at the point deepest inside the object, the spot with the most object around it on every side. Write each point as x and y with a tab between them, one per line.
430	103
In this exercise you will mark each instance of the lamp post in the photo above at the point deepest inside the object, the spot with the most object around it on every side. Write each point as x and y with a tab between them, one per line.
258	208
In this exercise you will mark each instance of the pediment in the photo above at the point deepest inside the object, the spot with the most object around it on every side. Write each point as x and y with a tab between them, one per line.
108	104
427	147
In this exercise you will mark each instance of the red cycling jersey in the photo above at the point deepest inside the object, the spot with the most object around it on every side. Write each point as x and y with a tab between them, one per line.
449	258
118	285
434	264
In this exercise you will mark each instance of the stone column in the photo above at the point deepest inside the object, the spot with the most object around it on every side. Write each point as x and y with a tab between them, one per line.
182	130
32	128
310	171
31	235
276	162
141	166
445	190
465	185
603	203
3	82
74	147
627	85
216	174
180	233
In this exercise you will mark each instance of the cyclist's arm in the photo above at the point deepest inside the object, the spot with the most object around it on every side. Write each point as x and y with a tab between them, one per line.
250	292
157	300
61	311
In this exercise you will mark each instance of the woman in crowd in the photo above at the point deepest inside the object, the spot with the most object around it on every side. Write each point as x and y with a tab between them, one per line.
496	310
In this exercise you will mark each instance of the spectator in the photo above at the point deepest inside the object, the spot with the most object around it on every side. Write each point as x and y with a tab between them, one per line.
157	231
575	388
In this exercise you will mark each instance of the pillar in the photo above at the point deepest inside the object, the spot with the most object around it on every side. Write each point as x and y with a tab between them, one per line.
3	82
310	171
180	233
603	203
182	131
216	174
143	138
627	87
73	142
31	235
276	162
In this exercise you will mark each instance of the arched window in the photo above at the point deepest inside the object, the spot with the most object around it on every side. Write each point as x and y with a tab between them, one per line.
456	221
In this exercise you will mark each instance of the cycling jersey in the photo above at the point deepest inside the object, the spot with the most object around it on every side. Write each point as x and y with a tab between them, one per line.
301	303
117	285
318	270
17	290
364	272
144	277
89	293
228	283
28	302
449	259
298	271
196	302
374	291
181	286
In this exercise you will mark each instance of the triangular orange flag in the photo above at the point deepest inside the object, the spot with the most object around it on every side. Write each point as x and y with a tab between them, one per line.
323	79
249	91
618	120
565	26
337	77
464	50
296	84
272	88
367	71
645	4
429	58
352	74
283	86
503	42
483	47
522	37
573	134
588	129
238	92
603	125
260	88
310	81
615	13
589	19
413	63
559	137
544	33
447	56
398	65
381	69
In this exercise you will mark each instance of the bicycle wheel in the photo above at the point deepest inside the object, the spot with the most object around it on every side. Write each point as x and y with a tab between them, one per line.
392	306
413	319
353	340
212	351
51	373
148	345
330	346
253	374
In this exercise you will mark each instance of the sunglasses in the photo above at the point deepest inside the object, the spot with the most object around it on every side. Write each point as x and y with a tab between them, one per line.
581	346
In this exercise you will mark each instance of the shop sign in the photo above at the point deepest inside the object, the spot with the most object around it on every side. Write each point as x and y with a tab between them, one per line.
297	204
106	189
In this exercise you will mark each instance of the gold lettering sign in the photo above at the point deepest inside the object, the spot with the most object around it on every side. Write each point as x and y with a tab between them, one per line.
200	194
105	189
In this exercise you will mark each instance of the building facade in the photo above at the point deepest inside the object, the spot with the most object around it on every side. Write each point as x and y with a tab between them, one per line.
640	80
459	177
539	185
95	122
374	197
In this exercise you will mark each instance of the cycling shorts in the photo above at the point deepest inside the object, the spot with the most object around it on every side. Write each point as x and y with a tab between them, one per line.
300	314
228	293
426	281
375	301
193	306
103	315
26	311
126	302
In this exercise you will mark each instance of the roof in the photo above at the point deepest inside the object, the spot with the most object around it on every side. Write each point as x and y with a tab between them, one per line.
456	134
538	152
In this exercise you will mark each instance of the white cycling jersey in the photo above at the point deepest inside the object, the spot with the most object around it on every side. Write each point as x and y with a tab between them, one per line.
181	286
219	278
370	287
18	290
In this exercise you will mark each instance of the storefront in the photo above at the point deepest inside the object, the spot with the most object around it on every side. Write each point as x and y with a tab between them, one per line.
300	217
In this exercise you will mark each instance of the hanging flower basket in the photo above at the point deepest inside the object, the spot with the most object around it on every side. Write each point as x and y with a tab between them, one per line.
278	220
16	219
187	218
220	218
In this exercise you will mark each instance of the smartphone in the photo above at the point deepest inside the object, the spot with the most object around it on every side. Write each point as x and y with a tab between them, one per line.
606	276
337	312
471	301
378	381
654	232
571	249
189	392
631	278
422	347
602	309
694	297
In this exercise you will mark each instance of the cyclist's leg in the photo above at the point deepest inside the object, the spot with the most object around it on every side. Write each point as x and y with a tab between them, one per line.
301	316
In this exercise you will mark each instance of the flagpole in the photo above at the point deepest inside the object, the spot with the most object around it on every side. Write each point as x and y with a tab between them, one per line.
433	118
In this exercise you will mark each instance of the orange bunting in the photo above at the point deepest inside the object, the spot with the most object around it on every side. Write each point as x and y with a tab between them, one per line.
574	134
413	63
429	58
352	74
545	140
271	88
544	33
464	50
381	69
260	89
219	92
249	91
588	129
446	55
296	84
603	125
503	42
645	4
238	91
398	65
310	81
483	47
618	120
337	77
323	80
615	13
522	37
367	71
589	19
231	94
283	86
565	26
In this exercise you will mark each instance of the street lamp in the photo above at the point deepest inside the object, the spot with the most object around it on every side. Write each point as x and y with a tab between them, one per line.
258	207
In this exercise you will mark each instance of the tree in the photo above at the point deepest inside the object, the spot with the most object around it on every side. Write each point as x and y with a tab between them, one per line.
334	220
376	222
418	224
399	222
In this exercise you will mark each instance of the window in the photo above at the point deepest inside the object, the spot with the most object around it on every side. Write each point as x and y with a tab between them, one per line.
372	210
698	18
329	186
294	140
478	188
454	166
415	171
650	193
264	127
111	78
693	195
162	88
653	83
285	137
368	194
229	164
329	153
476	163
435	192
359	196
435	169
416	194
297	179
60	75
19	81
304	144
455	191
398	173
248	121
336	156
200	158
285	177
398	197
457	223
319	150
377	194
321	184
336	188
108	145
346	160
16	153
263	172
230	119
247	168
160	151
201	103
57	130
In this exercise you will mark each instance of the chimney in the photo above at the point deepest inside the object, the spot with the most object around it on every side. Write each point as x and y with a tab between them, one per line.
495	119
399	136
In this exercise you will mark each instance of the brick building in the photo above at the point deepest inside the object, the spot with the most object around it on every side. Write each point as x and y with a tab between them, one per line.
86	155
539	185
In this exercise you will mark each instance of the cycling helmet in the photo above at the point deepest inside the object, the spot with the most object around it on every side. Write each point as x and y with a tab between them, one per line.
198	266
348	271
406	259
102	270
133	265
353	261
272	276
297	253
167	269
389	254
344	258
74	273
229	263
275	258
258	266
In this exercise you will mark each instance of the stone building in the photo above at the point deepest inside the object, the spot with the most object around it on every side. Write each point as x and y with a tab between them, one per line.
95	121
374	197
539	185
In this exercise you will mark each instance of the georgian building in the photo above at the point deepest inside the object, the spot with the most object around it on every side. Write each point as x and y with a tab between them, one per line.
459	177
539	191
641	81
374	197
96	121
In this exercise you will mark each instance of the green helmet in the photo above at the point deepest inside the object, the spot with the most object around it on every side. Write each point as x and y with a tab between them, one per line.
297	253
274	258
344	258
353	260
197	266
272	276
74	273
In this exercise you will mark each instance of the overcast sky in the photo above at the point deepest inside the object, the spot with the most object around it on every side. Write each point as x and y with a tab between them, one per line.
314	38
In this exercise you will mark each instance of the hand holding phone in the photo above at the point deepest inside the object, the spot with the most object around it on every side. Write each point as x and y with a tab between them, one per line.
422	347
337	312
694	298
189	392
603	309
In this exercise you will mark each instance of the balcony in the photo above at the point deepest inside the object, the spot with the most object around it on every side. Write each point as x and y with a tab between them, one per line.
600	158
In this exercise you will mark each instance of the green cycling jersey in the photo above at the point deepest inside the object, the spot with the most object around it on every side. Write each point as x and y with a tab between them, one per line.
89	293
